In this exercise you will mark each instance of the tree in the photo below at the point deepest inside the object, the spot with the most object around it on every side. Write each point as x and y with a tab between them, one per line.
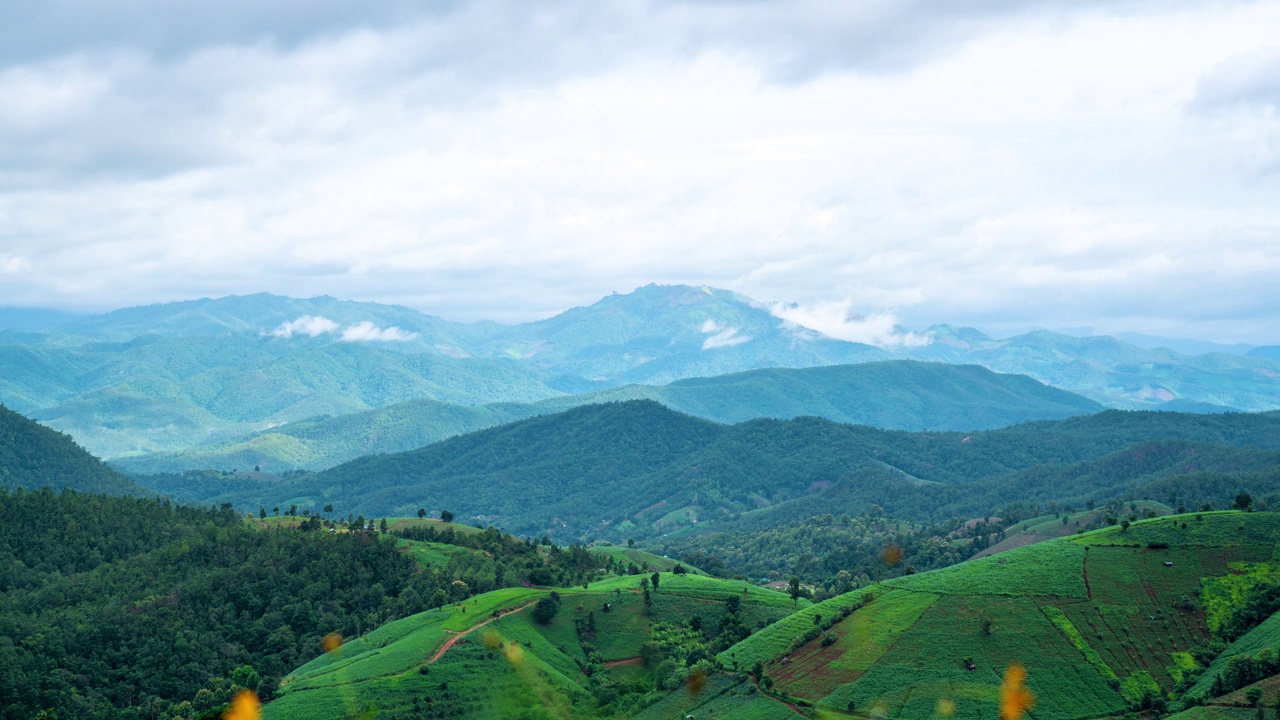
545	611
655	578
793	589
245	677
631	542
262	513
1243	502
382	526
679	570
328	509
446	516
422	513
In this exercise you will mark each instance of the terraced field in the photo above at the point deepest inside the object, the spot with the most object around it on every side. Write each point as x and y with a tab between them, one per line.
487	657
1101	621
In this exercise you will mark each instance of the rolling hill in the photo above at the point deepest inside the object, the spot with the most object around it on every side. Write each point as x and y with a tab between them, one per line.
637	468
33	457
1102	623
167	377
898	394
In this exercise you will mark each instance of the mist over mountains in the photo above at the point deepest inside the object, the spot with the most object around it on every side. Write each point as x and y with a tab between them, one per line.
163	378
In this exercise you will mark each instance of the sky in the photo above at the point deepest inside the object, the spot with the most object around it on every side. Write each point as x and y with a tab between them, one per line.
1111	165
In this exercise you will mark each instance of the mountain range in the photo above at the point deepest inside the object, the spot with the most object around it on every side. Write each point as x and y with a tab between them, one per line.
639	469
895	394
204	373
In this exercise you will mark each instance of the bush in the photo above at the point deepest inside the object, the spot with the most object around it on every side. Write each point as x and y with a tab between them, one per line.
545	611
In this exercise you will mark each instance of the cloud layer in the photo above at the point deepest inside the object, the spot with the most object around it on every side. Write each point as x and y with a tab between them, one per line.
1111	164
366	331
721	336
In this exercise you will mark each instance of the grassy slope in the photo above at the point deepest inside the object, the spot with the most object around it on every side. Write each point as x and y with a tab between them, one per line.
640	557
510	664
1095	618
1075	611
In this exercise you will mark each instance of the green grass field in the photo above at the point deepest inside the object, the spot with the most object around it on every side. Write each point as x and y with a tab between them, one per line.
384	669
774	640
814	671
641	557
1052	568
930	661
1101	621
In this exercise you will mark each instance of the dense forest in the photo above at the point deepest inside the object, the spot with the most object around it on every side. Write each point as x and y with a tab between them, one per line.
33	456
139	608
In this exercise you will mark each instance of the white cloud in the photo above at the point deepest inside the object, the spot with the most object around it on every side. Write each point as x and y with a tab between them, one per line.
721	336
835	319
309	325
368	332
1049	165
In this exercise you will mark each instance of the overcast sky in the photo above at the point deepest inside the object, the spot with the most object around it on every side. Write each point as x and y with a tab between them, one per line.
1001	164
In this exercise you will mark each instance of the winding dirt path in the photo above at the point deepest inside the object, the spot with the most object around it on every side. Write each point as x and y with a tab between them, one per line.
455	638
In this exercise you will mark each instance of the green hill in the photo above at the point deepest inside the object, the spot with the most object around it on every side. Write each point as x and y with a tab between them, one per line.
33	456
602	653
637	469
1104	623
900	394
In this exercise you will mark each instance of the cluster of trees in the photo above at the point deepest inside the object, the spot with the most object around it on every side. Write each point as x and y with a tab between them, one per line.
506	561
837	553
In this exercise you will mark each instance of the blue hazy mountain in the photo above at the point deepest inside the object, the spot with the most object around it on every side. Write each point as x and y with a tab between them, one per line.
896	394
173	376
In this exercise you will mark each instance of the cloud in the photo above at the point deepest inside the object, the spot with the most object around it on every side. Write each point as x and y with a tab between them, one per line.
309	325
835	320
721	336
973	162
1245	82
368	332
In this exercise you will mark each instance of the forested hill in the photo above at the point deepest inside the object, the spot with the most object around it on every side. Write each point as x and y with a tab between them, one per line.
33	456
896	394
893	394
638	468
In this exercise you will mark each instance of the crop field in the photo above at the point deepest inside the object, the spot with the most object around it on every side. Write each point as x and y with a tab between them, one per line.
814	671
930	662
1138	614
1269	687
393	666
1048	527
401	645
1259	531
640	557
474	679
776	639
1215	713
723	698
431	554
1053	568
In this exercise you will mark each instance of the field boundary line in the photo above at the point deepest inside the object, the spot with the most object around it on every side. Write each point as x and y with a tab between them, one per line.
453	640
